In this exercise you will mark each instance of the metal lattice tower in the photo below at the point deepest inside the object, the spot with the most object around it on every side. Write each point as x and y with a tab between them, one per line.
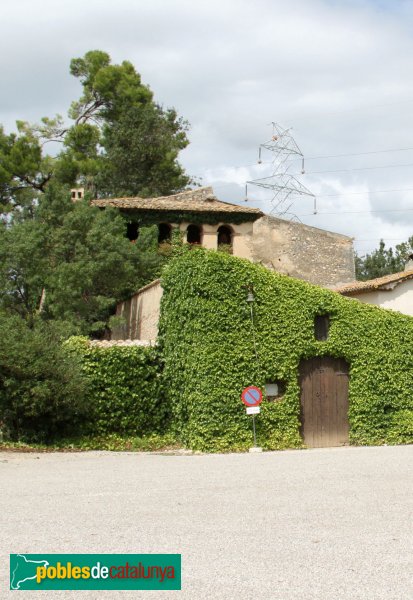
285	186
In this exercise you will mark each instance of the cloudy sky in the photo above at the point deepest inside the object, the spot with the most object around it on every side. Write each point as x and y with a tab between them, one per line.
338	72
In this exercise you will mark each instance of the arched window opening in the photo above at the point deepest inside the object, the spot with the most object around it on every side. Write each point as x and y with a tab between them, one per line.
132	231
193	234
164	233
225	238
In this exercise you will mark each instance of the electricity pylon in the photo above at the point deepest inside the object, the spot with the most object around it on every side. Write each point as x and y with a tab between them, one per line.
285	186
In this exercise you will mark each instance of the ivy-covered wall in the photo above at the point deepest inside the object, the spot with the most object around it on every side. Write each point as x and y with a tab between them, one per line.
153	217
207	341
124	388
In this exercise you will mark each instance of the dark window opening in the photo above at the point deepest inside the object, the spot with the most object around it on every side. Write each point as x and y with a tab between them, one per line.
164	233
193	234
132	231
79	194
321	327
225	237
73	194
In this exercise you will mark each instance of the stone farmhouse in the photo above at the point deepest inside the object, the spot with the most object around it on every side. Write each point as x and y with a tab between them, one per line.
291	248
314	255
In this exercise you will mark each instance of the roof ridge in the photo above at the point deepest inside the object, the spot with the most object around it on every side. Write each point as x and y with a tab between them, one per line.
201	199
189	192
371	284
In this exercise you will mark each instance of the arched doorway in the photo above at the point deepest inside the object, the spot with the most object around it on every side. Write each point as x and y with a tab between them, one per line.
164	233
225	237
324	401
194	234
132	231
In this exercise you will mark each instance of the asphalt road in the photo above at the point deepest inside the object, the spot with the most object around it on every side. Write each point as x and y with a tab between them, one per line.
328	524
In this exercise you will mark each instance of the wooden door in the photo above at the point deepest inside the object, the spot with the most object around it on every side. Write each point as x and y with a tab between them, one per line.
324	402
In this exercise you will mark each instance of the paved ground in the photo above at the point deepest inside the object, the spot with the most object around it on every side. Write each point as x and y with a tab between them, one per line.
328	524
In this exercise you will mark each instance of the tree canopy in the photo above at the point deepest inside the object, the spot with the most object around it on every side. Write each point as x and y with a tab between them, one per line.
383	261
70	261
118	140
64	265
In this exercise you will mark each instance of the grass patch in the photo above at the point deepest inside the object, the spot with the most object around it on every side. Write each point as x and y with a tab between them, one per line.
112	442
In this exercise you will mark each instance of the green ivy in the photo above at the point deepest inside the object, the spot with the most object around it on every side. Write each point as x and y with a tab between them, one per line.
206	339
153	217
124	388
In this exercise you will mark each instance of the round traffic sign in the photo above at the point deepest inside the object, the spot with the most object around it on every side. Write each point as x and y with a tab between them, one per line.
251	396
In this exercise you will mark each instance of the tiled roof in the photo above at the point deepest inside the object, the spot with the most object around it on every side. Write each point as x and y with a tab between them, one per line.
361	287
111	343
198	200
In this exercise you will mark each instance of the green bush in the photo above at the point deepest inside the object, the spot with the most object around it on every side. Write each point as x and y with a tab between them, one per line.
207	343
42	388
125	394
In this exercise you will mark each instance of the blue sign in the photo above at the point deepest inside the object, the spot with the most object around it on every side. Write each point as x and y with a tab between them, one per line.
251	396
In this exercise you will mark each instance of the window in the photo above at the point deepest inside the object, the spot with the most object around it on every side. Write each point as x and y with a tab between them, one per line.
164	233
193	234
77	193
321	327
225	238
274	390
132	231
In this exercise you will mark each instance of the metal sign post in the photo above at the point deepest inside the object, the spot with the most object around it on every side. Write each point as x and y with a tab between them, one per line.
252	398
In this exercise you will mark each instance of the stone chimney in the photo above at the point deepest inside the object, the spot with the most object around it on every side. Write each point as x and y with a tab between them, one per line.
409	263
77	194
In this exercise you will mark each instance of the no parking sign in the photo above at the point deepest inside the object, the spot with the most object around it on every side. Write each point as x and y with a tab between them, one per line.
251	396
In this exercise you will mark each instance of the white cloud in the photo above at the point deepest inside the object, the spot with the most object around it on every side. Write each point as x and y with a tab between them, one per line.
338	72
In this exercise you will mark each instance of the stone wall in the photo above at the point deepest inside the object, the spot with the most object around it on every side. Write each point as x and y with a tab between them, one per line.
315	255
301	251
140	313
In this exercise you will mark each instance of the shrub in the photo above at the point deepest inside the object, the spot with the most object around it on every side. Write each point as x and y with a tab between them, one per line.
125	393
42	388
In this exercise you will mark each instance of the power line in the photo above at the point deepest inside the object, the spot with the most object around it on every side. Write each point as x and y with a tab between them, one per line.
356	212
396	166
359	169
367	193
354	109
382	151
332	156
358	153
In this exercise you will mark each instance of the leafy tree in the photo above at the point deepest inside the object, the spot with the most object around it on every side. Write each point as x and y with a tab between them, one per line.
68	261
383	261
41	383
65	265
141	154
118	140
72	262
108	90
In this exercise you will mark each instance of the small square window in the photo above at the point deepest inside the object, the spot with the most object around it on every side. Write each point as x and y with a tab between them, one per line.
274	390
